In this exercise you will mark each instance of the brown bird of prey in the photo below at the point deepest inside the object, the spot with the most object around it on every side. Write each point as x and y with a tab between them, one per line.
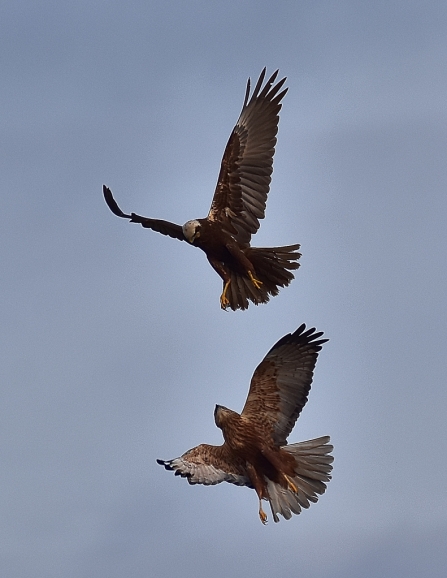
255	451
248	273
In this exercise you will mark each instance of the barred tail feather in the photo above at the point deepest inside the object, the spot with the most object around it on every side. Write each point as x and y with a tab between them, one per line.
272	267
313	467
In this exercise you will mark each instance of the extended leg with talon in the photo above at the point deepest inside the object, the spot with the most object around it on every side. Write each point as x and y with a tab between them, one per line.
262	514
224	301
255	281
291	484
259	485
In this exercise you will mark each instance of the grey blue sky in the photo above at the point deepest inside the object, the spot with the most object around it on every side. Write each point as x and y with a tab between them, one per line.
114	349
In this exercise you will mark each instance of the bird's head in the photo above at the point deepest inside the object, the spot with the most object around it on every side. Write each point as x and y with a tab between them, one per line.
191	230
221	413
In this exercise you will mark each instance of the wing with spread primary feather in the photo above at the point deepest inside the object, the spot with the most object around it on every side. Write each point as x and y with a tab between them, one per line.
209	465
244	179
163	227
281	383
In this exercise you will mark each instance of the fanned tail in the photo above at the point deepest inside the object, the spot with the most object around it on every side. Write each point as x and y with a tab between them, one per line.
272	267
313	467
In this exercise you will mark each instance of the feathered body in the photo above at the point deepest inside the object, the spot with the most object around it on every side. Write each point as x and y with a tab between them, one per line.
248	273
255	451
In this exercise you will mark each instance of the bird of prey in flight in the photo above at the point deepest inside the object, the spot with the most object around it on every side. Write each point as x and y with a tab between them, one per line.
248	273
255	451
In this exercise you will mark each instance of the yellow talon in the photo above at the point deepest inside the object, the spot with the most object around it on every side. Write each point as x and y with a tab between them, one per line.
262	514
224	302
255	281
291	484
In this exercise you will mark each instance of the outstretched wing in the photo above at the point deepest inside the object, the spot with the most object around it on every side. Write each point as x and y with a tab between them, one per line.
163	227
245	173
281	383
209	465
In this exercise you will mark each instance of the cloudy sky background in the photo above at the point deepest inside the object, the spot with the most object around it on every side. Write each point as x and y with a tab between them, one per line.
114	348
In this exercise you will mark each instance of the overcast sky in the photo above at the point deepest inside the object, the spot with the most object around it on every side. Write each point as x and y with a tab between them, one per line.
114	348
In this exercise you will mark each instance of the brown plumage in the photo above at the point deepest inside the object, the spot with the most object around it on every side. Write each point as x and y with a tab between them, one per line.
248	273
255	451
